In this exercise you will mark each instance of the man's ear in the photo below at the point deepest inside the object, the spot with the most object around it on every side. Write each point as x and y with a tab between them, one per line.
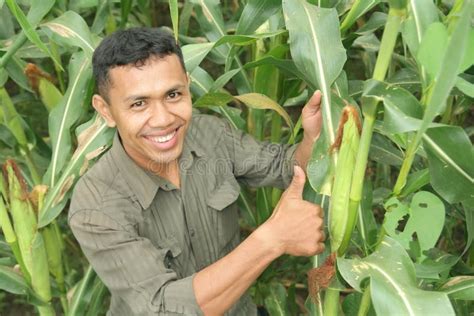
101	106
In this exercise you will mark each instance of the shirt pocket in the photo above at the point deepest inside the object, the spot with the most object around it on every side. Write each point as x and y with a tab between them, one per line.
171	248
221	202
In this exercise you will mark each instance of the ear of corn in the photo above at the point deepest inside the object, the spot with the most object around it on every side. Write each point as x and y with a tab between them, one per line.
341	220
30	241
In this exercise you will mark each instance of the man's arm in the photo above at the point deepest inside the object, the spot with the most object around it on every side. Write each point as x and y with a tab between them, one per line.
295	228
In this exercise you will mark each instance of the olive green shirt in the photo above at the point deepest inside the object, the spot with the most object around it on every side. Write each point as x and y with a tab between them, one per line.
146	238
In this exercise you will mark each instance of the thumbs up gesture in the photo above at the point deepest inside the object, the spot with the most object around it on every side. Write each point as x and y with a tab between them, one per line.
296	226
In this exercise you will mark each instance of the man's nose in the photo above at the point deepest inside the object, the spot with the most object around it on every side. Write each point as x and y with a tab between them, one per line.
160	116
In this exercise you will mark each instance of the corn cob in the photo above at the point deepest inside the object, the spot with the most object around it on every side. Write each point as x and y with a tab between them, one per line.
341	221
30	241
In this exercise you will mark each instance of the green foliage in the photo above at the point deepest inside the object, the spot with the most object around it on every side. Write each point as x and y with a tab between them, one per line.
255	63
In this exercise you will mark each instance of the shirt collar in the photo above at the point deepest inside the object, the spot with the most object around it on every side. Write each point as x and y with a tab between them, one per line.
140	182
143	184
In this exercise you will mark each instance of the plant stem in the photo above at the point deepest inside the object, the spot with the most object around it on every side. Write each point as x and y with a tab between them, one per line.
387	45
331	302
46	310
365	302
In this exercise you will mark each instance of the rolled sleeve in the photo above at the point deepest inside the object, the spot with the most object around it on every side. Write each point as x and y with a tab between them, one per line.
258	163
132	267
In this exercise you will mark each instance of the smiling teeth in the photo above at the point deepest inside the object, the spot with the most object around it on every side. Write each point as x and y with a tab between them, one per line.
163	139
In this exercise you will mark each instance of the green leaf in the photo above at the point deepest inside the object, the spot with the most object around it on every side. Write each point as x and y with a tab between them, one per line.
201	82
465	86
433	48
93	138
393	282
80	298
125	8
214	99
376	21
276	301
317	50
260	101
194	54
255	13
29	29
12	282
224	79
382	150
424	207
416	181
469	214
421	14
285	65
11	118
319	166
209	17
174	13
460	288
450	156
358	9
66	114
70	29
403	112
449	69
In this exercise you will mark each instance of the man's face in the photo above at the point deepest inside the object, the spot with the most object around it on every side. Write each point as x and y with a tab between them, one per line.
151	107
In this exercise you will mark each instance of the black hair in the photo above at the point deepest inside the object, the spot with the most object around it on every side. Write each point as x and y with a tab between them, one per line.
133	46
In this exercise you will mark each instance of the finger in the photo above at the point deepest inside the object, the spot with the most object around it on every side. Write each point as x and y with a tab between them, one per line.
295	189
314	103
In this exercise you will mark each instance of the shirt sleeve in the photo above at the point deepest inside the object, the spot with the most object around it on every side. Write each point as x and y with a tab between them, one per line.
132	267
258	163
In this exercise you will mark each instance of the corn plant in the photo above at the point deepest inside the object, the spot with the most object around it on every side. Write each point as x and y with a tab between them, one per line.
397	191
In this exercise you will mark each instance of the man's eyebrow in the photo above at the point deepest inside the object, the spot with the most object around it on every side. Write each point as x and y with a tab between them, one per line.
176	87
135	97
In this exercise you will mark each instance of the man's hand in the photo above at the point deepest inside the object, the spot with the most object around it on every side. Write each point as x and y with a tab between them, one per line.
296	226
311	117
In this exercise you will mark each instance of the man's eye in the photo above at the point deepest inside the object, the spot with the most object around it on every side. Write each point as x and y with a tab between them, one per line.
173	95
138	104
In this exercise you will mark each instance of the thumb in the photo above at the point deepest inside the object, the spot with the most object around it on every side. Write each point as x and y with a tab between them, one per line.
295	189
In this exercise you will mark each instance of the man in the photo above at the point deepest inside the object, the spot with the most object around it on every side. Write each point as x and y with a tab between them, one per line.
156	216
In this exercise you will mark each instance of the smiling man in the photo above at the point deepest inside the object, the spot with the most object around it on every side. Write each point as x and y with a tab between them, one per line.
157	215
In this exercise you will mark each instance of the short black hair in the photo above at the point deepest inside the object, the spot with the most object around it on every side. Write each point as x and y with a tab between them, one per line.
133	46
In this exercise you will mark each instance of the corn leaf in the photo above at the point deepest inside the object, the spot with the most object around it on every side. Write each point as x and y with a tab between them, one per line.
359	8
209	17
93	138
421	14
449	69
125	8
260	101
194	54
423	206
12	282
174	13
70	29
393	282
460	288
65	115
201	82
255	13
317	50
29	29
450	156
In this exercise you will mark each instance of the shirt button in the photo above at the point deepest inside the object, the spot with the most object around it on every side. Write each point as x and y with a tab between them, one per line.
191	232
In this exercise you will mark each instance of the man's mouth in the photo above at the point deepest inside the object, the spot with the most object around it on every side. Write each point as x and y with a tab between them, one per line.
165	138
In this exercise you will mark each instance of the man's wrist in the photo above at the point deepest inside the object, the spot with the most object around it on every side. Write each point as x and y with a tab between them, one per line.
265	237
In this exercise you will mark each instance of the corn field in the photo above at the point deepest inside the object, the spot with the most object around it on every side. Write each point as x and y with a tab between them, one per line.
393	167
